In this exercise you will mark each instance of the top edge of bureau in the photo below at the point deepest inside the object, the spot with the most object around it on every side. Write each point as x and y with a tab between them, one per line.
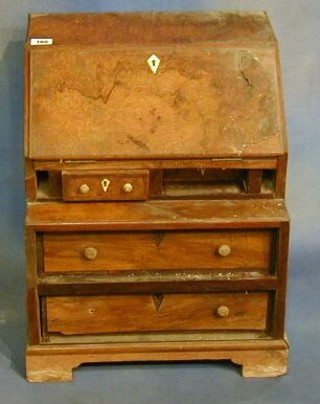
232	28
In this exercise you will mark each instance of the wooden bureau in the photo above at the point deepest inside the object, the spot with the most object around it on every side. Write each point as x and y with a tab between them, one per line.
156	226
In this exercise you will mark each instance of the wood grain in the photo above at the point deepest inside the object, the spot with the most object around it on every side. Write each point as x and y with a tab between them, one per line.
151	282
254	181
165	109
151	286
30	181
281	176
72	180
32	297
142	313
258	358
282	269
132	164
64	252
117	29
194	214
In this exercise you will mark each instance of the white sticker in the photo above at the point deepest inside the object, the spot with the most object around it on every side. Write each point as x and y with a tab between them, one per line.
41	41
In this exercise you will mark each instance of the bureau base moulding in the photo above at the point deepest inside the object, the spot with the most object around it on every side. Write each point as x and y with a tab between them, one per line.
257	358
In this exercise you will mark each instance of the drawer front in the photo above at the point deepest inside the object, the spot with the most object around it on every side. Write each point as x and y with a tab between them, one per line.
151	313
172	250
105	185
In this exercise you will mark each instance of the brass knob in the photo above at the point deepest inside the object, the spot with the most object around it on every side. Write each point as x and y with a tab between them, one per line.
128	188
224	250
90	253
84	188
223	311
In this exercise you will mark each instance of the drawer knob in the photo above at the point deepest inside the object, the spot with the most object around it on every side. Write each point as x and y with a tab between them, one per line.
223	311
128	188
84	188
90	253
224	250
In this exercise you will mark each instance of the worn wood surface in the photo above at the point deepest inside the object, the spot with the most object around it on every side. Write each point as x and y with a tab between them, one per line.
144	313
282	274
214	107
258	358
86	285
157	215
132	164
65	252
32	297
168	179
165	108
172	336
153	28
30	181
187	183
184	183
254	181
281	176
237	114
73	180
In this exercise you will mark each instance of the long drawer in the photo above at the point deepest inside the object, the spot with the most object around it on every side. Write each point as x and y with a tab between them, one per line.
171	250
80	315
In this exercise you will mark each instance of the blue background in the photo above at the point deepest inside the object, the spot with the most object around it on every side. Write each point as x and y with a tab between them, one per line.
297	27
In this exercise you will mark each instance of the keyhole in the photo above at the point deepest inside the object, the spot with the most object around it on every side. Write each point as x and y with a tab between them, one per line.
153	63
105	184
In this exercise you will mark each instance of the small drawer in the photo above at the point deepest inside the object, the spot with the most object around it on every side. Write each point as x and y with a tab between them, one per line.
79	315
127	185
157	250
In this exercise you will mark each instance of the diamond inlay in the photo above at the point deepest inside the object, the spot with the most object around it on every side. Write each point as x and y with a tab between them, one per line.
154	63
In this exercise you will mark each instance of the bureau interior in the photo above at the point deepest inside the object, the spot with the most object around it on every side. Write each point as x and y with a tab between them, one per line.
214	182
166	183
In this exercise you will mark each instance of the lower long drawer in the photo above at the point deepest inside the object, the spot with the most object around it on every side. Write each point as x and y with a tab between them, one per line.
81	315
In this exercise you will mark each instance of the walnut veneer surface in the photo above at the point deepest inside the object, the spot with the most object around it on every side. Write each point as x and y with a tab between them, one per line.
156	225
